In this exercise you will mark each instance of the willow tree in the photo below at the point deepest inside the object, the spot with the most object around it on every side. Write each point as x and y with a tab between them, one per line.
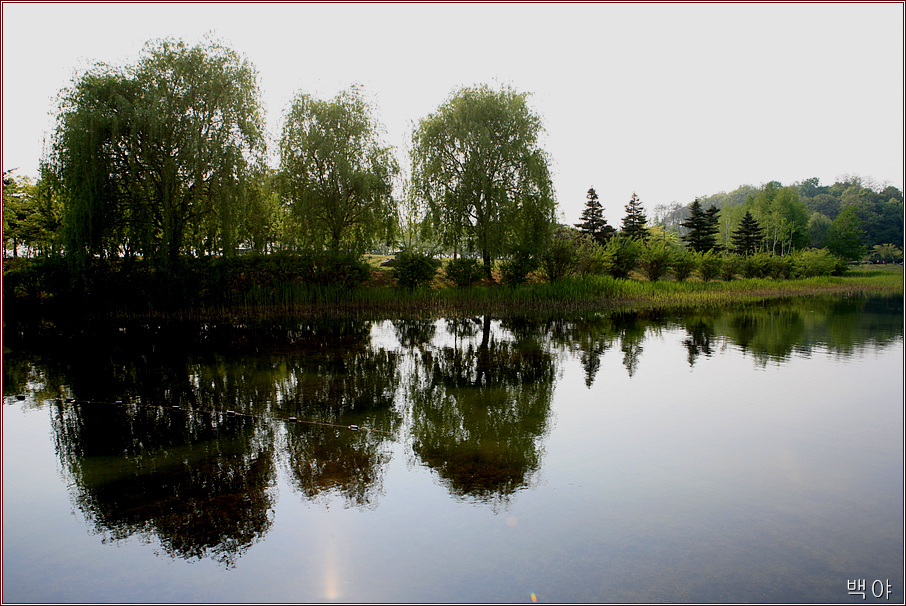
481	176
336	174
154	157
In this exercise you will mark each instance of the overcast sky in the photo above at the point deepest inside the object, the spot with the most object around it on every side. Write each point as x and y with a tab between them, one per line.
670	101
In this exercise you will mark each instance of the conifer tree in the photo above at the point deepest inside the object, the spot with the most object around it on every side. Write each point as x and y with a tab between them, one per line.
702	226
635	220
748	237
593	222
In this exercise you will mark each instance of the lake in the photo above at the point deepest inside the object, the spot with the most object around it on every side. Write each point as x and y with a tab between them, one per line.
744	454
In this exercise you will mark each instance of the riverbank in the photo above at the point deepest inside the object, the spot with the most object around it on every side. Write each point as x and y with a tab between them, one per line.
379	296
594	293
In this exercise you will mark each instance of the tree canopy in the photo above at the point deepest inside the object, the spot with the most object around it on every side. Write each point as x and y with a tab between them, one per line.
154	157
336	175
480	174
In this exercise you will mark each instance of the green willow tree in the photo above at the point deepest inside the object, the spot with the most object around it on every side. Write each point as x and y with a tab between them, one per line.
336	174
155	158
480	175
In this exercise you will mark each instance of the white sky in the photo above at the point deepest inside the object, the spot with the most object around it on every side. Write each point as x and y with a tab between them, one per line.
670	101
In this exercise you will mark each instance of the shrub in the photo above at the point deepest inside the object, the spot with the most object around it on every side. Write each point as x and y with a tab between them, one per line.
560	259
413	269
709	265
655	259
814	262
755	265
729	267
592	258
622	255
683	265
779	267
463	272
515	270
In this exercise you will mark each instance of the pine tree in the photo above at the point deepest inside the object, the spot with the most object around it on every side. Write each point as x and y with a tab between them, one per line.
593	222
702	226
748	237
635	220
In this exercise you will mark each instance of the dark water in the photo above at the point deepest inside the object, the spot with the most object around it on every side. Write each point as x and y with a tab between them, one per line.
747	455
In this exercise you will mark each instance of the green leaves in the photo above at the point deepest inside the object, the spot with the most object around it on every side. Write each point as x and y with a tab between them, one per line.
154	157
337	176
480	175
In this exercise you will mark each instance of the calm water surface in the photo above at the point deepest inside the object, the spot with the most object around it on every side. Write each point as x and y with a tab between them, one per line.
745	455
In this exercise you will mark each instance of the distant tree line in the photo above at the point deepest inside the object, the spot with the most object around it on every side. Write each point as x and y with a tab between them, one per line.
165	160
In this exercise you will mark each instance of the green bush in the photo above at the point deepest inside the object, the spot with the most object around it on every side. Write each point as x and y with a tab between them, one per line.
622	255
515	270
655	259
464	272
413	269
755	265
709	265
592	258
683	265
729	267
815	262
560	259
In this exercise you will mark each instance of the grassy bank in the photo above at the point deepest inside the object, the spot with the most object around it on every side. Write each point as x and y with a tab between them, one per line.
252	289
380	297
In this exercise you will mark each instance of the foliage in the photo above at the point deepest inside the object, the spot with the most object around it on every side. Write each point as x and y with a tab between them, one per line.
336	175
655	260
889	253
463	272
560	258
479	172
413	269
515	270
730	265
32	214
683	265
845	238
783	217
593	222
816	262
592	257
634	220
622	255
709	265
702	226
154	158
748	237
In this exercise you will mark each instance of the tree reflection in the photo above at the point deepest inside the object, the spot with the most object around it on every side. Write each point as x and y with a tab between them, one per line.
348	387
478	412
199	482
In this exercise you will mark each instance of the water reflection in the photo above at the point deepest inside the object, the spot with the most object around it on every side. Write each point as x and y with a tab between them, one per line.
470	398
198	481
479	409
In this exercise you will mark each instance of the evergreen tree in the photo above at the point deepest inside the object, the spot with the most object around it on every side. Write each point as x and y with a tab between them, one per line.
702	226
748	237
593	222
634	221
